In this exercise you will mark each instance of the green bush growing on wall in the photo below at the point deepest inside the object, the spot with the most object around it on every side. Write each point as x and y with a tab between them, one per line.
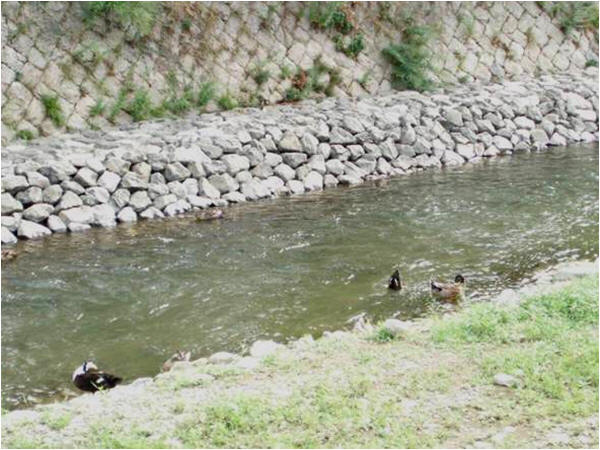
329	15
53	110
205	94
410	59
140	15
140	108
26	135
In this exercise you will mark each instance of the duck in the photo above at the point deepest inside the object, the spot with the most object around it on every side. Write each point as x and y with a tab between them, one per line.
395	282
88	378
9	254
211	214
177	357
449	291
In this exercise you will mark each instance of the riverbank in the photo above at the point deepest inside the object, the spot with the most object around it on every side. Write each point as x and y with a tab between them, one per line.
159	169
519	373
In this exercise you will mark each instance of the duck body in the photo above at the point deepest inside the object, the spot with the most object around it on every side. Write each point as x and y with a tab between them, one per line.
212	214
88	378
177	357
9	254
395	282
449	291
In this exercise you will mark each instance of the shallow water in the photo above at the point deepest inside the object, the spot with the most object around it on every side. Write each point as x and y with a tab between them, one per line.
279	269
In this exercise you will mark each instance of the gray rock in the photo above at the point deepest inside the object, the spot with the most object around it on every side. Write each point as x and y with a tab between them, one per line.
143	170
81	214
54	172
557	139
37	179
206	189
132	181
274	184
451	158
349	179
235	163
56	224
317	163
539	136
164	200
524	122
289	142
109	180
104	216
234	197
367	164
313	181
52	194
502	144
310	144
453	116
199	202
397	327
73	186
127	214
152	213
273	159
95	164
340	136
117	165
467	151
502	379
14	183
86	177
32	230
295	186
99	194
139	200
8	237
30	195
120	198
294	159
262	170
176	172
11	222
38	212
196	169
179	207
284	172
223	183
75	227
222	358
254	190
335	167
214	167
330	181
68	200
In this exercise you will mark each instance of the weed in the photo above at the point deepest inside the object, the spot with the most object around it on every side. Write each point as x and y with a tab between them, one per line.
186	24
97	109
468	22
67	70
140	108
530	35
364	79
141	16
259	74
18	76
409	59
285	73
53	110
591	63
205	94
383	335
353	48
118	105
330	15
26	135
575	15
56	423
227	102
463	79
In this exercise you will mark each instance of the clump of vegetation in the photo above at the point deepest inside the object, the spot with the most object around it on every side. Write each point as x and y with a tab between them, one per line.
186	24
141	16
410	59
591	63
352	48
140	108
205	94
118	105
97	109
227	102
468	22
573	15
56	422
285	73
26	135
383	335
320	78
364	79
53	109
260	74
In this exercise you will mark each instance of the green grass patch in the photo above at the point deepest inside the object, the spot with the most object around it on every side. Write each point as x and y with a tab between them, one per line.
227	102
26	135
573	15
206	93
53	109
139	15
410	59
98	109
140	108
56	422
330	16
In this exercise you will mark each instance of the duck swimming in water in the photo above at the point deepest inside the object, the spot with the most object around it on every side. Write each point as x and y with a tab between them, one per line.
395	282
177	357
211	214
88	378
9	254
449	291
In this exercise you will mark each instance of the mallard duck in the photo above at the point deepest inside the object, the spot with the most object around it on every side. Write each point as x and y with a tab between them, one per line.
88	378
9	254
178	356
448	291
395	282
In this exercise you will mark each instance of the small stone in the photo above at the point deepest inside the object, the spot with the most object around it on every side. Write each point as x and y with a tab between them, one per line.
164	200
14	183
73	186
502	379
104	216
8	237
109	180
176	172
32	230
235	163
56	224
152	213
224	183
38	212
295	186
52	194
139	200
99	194
179	207
127	214
30	195
294	159
37	179
132	181
86	177
222	358
81	214
284	172
207	189
120	198
69	200
199	202
313	181
260	349
289	143
75	227
397	327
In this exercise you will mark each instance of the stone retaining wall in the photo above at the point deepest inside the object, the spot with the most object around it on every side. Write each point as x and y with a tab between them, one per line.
95	70
164	168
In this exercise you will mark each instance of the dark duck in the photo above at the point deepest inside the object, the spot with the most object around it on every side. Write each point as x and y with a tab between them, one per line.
395	282
449	291
179	356
88	378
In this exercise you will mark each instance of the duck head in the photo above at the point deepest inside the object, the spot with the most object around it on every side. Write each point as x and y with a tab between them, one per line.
84	368
182	356
459	279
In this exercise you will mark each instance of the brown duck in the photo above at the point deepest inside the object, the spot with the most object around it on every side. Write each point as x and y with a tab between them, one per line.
177	357
449	291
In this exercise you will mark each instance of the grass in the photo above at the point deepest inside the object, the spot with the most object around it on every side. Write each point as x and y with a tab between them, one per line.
410	59
591	63
433	388
205	94
140	108
227	102
351	48
141	16
98	109
259	74
26	135
53	109
330	16
56	422
573	15
307	82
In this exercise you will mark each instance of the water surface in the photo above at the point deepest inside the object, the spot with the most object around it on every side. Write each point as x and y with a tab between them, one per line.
279	269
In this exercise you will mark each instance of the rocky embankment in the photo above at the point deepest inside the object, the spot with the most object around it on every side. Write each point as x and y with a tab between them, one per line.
164	168
480	379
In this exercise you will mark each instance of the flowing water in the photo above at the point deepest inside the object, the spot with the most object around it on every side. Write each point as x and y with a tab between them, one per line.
129	297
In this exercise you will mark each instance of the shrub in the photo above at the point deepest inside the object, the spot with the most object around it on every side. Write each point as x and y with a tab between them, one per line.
329	15
26	135
205	94
227	102
409	59
140	108
574	15
97	109
53	110
139	15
